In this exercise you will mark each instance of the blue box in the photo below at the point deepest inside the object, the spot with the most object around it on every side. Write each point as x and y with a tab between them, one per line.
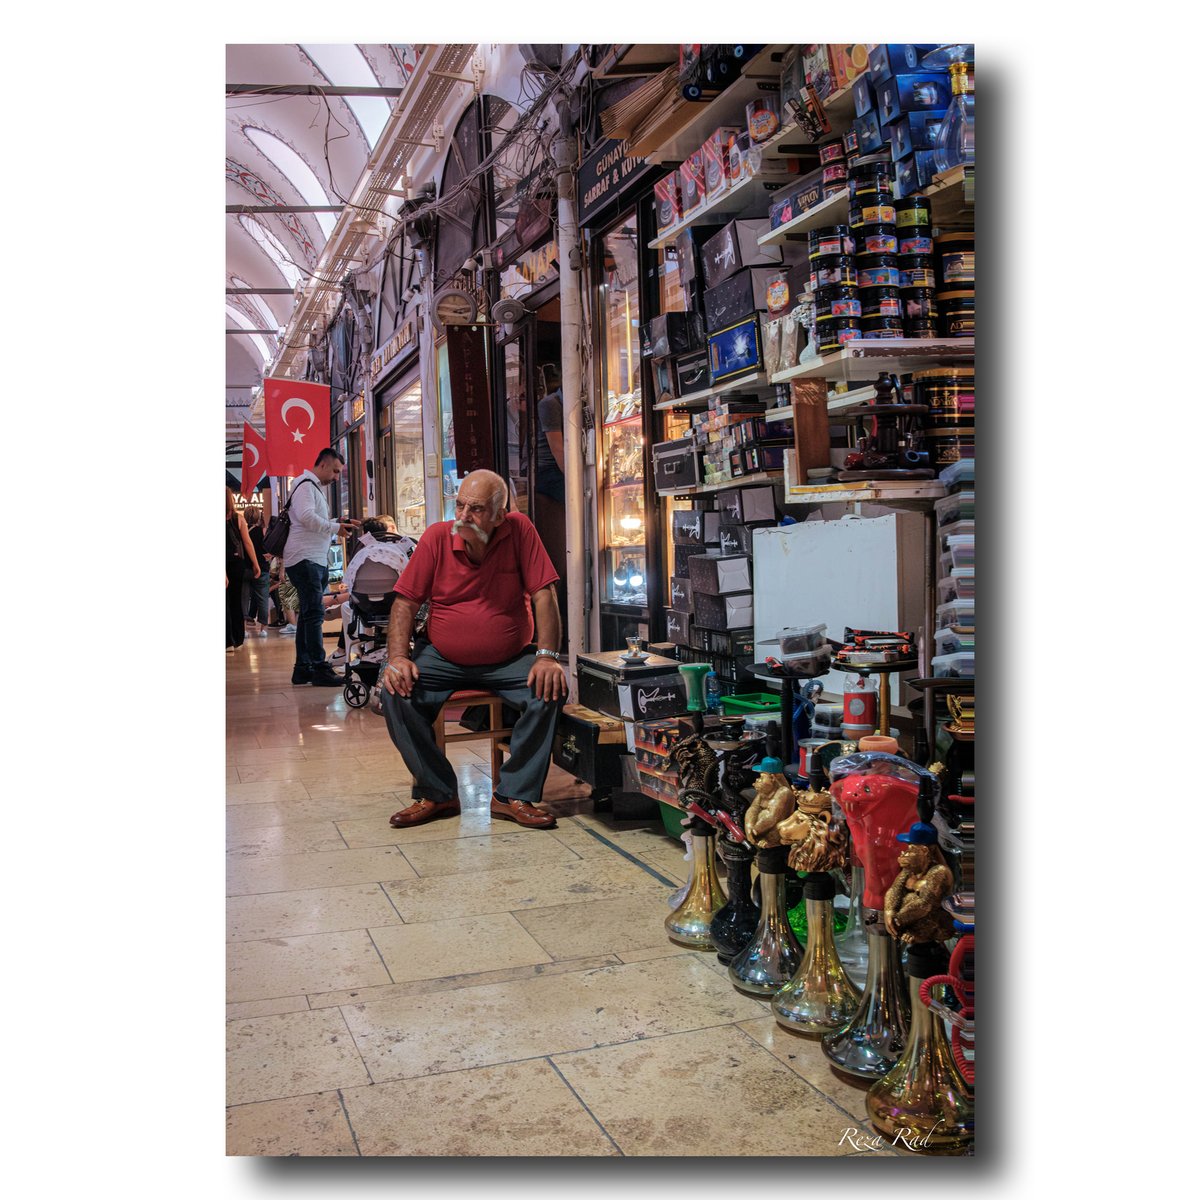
735	351
864	95
914	172
886	61
870	136
914	131
924	91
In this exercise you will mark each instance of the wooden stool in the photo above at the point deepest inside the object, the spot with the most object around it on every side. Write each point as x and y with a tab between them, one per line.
497	733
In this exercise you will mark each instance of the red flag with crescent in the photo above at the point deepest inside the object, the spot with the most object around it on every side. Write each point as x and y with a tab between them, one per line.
297	424
254	459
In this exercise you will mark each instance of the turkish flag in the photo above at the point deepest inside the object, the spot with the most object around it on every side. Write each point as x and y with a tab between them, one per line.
297	424
254	459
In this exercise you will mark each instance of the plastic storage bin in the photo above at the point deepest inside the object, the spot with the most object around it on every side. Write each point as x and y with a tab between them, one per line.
958	506
961	549
807	664
753	702
955	612
954	666
956	529
672	818
795	639
946	641
958	473
959	584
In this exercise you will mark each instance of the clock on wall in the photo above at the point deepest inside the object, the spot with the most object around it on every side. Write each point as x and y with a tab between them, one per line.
454	307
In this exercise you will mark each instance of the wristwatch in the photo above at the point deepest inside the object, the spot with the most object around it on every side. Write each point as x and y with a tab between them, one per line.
547	654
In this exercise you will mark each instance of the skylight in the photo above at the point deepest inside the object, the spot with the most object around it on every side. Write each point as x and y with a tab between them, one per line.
345	66
297	171
273	249
244	322
269	319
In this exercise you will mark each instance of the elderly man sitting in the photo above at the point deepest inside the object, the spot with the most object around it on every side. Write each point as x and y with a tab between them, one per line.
494	624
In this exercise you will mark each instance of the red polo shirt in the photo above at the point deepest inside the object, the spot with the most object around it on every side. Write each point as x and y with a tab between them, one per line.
478	612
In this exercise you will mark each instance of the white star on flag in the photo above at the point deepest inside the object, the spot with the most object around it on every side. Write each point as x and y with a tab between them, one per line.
297	436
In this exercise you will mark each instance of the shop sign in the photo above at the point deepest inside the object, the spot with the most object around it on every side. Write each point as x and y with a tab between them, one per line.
605	174
470	399
534	269
401	342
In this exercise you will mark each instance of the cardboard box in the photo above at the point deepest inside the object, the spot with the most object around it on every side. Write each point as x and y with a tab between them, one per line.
818	69
735	247
683	558
914	172
849	62
743	506
676	464
724	611
712	528
688	246
914	131
691	182
742	295
869	133
722	160
664	696
735	351
668	202
766	456
926	91
717	574
864	97
687	527
884	61
672	333
791	80
801	196
681	594
736	539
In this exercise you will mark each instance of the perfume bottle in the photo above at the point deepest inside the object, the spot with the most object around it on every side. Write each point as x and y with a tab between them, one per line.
956	138
820	997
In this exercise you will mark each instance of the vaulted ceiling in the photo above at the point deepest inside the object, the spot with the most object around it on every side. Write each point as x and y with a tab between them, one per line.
283	149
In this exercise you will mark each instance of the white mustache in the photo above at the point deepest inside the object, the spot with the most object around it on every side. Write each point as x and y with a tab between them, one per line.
460	525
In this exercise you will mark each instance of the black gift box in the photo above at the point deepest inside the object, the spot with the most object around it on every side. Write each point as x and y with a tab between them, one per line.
679	626
687	527
676	464
735	642
683	557
600	676
717	574
734	247
589	748
680	597
691	372
740	296
712	528
744	506
723	612
688	245
672	333
736	539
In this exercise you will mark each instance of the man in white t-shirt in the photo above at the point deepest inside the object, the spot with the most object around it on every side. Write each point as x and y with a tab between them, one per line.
306	560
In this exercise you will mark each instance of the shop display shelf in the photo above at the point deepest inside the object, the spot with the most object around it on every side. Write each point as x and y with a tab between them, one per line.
952	196
704	489
727	108
747	383
783	413
840	401
751	193
902	493
834	211
863	359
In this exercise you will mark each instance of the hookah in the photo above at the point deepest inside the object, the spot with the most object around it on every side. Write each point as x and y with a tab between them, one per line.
690	923
923	1101
820	997
881	794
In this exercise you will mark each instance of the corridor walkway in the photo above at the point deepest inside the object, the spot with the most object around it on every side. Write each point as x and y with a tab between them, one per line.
470	987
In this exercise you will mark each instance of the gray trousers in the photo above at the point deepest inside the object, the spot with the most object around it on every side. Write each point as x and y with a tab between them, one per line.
410	723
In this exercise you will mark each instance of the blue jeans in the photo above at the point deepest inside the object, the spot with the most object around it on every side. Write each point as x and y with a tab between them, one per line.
309	580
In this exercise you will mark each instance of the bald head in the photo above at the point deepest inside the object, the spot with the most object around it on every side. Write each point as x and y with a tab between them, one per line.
489	484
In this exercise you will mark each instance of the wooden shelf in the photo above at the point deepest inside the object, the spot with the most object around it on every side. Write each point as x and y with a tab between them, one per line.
904	493
864	358
948	196
746	383
783	413
834	211
745	481
749	193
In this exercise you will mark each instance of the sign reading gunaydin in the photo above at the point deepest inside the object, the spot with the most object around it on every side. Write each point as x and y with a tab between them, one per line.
605	173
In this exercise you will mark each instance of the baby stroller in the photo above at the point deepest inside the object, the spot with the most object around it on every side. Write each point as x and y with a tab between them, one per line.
366	636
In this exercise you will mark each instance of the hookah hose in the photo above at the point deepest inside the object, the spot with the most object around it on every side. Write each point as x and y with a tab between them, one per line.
962	1023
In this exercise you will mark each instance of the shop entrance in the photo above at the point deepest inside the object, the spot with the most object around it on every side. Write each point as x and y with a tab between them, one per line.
532	359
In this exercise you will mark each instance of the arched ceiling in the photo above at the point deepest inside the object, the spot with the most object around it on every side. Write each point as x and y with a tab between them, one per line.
296	150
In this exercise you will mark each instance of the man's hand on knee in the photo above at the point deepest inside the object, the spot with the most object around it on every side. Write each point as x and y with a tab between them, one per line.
547	679
400	675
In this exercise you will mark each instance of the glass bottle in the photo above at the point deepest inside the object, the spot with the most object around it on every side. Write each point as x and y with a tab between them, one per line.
923	1102
691	922
734	925
871	1044
956	137
772	955
820	997
849	935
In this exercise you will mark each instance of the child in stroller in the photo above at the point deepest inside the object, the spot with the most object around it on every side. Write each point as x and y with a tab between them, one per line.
365	615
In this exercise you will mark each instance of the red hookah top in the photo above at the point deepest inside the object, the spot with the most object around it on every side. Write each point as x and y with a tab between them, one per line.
877	808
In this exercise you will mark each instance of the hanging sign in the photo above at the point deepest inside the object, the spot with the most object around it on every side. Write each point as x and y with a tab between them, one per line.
605	174
403	341
470	399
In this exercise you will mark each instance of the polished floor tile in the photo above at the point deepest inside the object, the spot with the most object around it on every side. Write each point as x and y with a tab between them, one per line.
308	910
703	1093
307	1126
514	1109
577	1010
286	873
366	807
620	926
314	962
501	851
290	1054
300	837
439	948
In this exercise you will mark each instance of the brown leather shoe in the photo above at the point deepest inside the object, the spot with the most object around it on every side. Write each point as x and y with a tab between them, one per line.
421	811
528	815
